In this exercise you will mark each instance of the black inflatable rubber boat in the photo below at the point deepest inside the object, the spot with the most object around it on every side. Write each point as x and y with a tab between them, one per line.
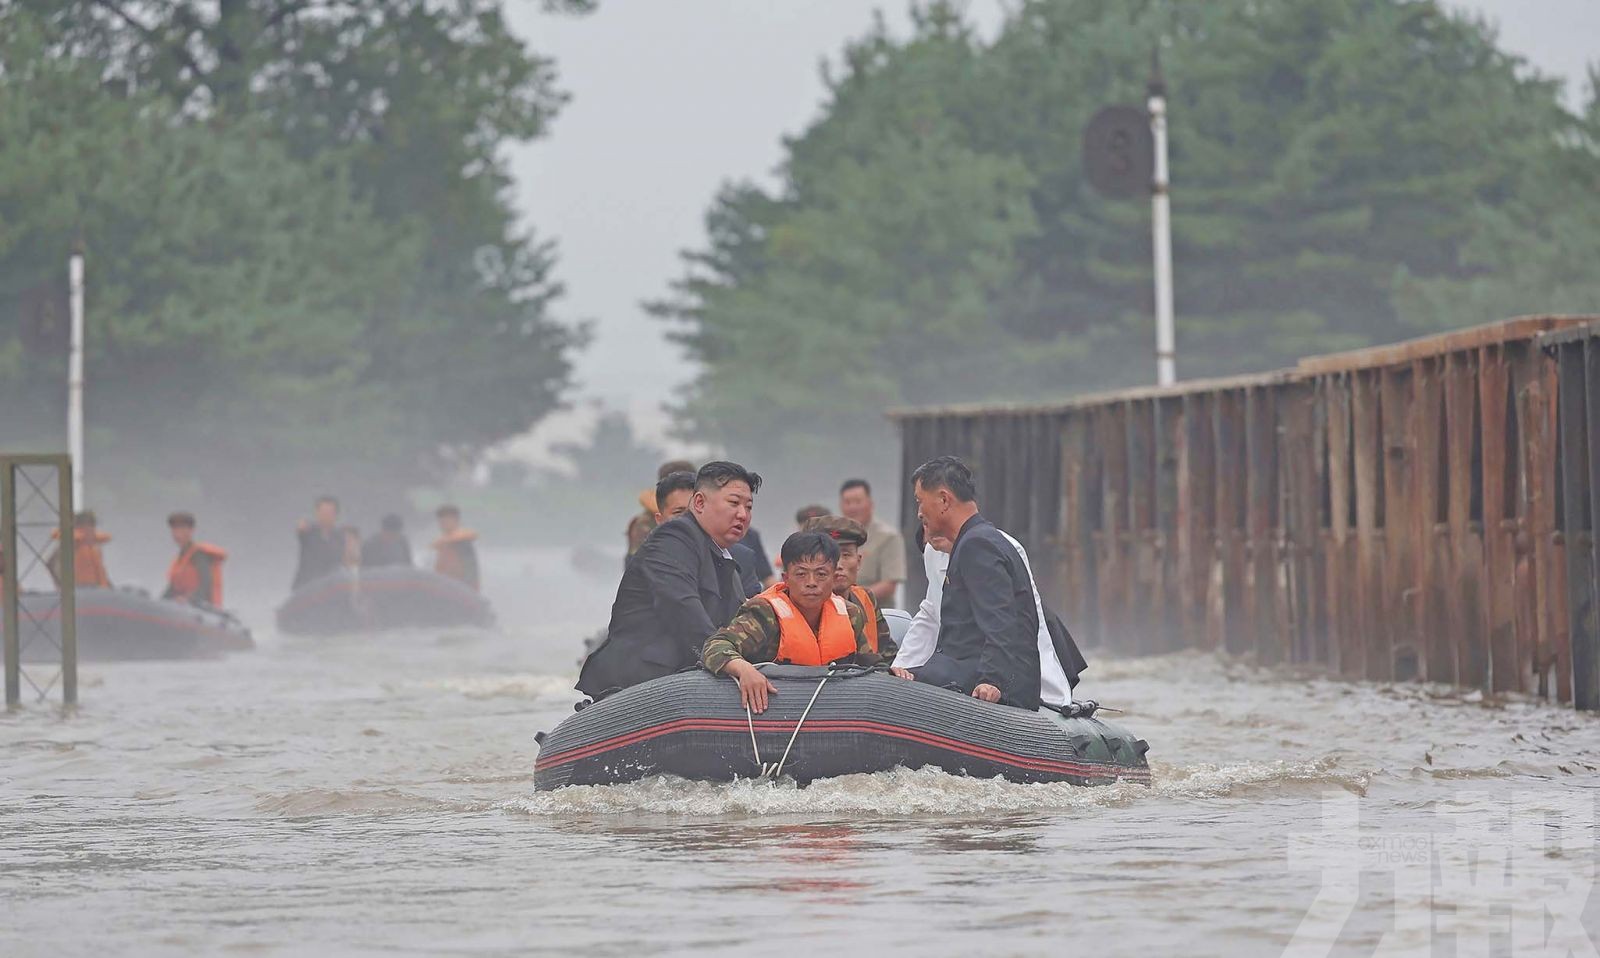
691	725
123	624
394	597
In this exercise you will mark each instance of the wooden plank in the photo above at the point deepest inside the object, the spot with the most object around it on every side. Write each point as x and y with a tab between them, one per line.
1520	329
1403	583
1428	524
1141	542
1170	435
1299	467
1197	508
1462	423
1367	429
1500	467
1113	576
1261	525
1583	590
1574	405
1228	619
1554	656
1342	592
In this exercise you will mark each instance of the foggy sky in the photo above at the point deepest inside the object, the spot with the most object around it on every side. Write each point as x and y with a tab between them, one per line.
670	100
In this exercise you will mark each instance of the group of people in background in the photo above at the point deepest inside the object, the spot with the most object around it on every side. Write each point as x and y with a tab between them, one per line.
194	576
327	547
696	589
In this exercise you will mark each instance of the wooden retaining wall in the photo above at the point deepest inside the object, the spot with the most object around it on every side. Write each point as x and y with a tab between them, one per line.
1392	513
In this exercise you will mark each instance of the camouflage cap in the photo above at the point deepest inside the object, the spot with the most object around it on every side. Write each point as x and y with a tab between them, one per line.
838	527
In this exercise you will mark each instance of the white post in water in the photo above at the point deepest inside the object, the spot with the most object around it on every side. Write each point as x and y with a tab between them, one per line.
75	374
1161	227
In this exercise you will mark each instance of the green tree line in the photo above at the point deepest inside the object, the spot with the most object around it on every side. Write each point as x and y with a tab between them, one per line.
305	267
1344	172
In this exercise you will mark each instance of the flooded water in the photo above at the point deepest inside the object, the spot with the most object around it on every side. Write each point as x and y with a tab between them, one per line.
370	795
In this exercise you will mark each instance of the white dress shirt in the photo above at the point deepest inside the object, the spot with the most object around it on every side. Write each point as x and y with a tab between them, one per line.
923	634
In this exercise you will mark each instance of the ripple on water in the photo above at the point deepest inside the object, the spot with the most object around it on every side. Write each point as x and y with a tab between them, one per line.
904	792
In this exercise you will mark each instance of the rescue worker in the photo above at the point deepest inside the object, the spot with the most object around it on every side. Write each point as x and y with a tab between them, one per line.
454	555
389	547
88	565
681	586
883	564
799	621
321	543
850	537
196	574
644	523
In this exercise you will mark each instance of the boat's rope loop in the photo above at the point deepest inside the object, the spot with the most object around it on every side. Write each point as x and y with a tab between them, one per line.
774	770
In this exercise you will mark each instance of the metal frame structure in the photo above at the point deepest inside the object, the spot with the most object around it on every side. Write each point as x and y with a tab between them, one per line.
29	511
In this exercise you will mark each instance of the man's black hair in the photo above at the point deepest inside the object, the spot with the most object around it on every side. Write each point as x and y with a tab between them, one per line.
670	483
808	545
181	519
861	484
447	509
84	518
392	523
714	475
332	500
947	472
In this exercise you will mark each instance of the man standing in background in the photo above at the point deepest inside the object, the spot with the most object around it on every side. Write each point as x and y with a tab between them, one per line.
883	558
645	522
321	543
454	554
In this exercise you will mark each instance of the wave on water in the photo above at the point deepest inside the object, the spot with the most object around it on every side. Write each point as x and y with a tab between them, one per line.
315	802
521	686
904	792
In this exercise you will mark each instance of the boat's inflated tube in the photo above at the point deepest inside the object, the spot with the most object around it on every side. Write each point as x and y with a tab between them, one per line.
693	726
121	624
391	597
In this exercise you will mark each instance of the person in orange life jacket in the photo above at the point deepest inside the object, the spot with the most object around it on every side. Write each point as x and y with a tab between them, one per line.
88	565
799	621
850	536
196	574
454	554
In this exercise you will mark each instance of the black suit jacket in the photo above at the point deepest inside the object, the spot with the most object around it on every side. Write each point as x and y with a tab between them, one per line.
677	590
987	618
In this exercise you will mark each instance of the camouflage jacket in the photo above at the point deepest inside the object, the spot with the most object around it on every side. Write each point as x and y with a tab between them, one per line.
886	647
753	636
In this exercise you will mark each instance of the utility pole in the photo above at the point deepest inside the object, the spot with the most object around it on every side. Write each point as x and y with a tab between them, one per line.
1161	228
75	372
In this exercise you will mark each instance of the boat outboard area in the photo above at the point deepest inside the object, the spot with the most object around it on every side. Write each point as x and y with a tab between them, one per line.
390	597
127	623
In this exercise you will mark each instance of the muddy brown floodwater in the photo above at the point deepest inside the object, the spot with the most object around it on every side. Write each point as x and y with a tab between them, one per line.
369	795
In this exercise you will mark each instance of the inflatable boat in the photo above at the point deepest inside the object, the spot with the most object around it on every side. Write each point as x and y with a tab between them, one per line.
392	597
824	723
123	624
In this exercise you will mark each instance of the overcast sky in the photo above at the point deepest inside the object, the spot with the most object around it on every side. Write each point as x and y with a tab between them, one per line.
671	99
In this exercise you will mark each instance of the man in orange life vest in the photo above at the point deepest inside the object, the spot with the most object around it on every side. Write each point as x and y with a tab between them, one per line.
454	554
799	621
88	565
196	574
851	536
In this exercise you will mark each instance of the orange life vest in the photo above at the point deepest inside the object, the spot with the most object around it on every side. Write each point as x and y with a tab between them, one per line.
870	605
797	644
88	565
183	579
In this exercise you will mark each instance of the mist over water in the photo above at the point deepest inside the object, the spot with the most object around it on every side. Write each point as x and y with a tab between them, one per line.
367	794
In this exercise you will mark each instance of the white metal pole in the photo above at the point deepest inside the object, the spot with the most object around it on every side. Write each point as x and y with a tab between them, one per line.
1161	227
75	376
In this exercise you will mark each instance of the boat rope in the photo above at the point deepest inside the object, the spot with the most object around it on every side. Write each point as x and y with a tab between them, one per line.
774	770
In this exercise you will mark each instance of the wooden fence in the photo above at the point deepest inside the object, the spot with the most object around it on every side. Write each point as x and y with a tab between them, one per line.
1393	513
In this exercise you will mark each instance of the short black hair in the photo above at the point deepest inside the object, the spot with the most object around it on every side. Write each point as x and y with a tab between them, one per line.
715	475
391	523
448	510
181	519
84	518
673	482
807	545
947	472
861	484
672	466
330	500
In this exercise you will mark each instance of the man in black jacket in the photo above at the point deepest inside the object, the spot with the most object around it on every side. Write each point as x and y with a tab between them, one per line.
988	622
681	586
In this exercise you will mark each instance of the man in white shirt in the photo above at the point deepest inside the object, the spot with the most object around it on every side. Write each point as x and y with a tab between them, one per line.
923	633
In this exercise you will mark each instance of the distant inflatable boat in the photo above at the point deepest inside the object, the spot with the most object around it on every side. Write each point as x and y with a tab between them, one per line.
124	624
391	597
822	725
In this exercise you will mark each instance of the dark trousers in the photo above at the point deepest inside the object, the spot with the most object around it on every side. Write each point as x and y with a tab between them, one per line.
948	673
